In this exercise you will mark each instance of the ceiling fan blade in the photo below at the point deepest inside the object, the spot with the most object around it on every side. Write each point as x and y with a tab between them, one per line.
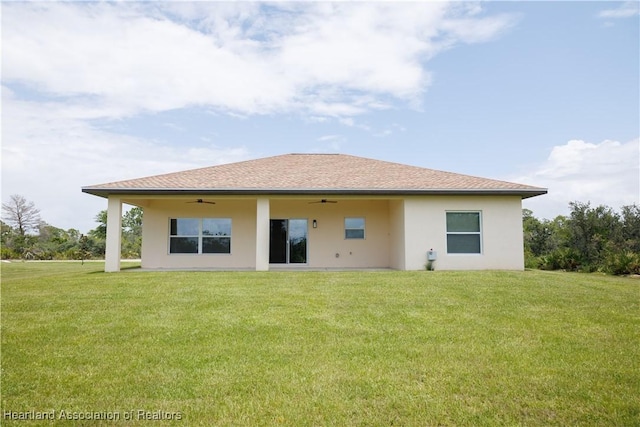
202	201
323	201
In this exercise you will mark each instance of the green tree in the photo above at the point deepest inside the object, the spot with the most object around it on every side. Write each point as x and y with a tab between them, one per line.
41	240
589	239
132	233
593	231
540	236
132	221
96	239
100	232
84	251
631	227
56	243
7	242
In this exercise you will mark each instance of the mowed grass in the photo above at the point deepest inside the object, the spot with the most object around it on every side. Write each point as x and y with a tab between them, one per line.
320	348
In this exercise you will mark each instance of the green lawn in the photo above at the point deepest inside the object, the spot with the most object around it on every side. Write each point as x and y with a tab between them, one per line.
319	348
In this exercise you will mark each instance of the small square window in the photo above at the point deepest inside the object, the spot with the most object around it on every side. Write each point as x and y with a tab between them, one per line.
354	228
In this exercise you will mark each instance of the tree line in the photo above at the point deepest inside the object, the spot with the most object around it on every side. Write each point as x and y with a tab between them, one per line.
589	239
24	235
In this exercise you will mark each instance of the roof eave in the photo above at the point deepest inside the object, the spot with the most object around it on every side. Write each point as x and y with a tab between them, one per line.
106	192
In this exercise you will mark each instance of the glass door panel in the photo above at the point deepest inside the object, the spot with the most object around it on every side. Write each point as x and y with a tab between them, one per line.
297	241
278	241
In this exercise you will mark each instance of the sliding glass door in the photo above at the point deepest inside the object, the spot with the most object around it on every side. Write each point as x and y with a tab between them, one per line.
288	241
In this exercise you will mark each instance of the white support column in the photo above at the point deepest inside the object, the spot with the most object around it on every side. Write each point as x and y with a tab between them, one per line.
262	234
114	235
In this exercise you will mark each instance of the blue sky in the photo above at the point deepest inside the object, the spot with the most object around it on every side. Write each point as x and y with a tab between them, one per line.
544	93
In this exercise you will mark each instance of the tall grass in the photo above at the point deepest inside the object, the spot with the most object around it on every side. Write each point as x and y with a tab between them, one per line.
319	348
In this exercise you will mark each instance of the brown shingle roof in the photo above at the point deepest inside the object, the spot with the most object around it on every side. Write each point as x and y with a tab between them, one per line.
313	173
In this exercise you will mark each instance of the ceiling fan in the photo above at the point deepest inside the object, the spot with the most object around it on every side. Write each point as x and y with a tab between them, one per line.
323	201
202	201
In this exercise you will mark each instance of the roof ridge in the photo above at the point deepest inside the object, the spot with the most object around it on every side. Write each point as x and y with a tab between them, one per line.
313	154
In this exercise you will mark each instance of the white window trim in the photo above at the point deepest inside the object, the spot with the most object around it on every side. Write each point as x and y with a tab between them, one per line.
480	233
199	236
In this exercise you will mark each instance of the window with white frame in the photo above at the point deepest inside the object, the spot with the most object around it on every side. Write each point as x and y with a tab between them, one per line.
200	236
464	235
354	228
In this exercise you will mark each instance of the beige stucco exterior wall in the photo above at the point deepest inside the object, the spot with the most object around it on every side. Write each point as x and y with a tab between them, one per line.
397	254
327	247
501	225
155	234
399	231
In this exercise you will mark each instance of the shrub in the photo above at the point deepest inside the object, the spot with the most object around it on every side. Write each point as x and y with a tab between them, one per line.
622	263
7	253
531	261
561	259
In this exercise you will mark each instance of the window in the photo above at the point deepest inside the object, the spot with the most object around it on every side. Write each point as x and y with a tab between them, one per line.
463	233
200	236
354	228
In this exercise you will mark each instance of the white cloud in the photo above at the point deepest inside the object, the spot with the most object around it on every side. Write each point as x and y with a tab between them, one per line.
627	9
329	138
132	61
323	58
47	158
606	173
65	64
331	144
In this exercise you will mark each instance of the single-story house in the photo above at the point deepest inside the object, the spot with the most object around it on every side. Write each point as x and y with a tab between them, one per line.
320	211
